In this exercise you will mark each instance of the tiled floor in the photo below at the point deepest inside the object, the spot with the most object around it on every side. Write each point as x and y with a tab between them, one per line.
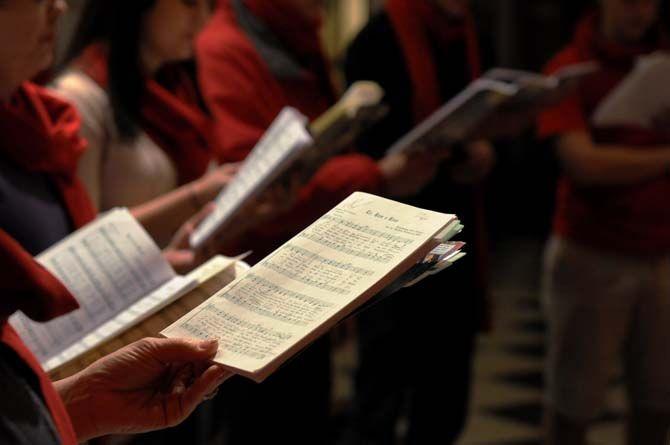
506	406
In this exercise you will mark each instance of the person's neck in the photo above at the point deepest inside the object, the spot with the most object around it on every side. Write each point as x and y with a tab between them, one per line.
150	61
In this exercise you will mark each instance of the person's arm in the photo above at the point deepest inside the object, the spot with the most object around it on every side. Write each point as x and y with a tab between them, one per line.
162	216
149	385
589	164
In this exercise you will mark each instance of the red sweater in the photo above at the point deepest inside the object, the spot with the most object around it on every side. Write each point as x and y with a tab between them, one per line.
632	219
244	98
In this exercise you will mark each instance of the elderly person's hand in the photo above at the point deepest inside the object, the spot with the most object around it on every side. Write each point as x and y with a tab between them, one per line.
148	385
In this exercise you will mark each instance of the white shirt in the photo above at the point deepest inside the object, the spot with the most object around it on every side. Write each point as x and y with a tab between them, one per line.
116	173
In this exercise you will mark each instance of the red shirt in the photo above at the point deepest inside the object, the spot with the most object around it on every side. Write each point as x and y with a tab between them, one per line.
633	219
245	97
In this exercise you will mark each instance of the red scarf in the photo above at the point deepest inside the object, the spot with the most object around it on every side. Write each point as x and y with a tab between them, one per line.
419	25
171	113
302	37
30	288
41	134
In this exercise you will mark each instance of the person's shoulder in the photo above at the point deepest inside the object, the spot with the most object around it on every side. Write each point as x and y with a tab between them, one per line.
89	98
77	86
223	37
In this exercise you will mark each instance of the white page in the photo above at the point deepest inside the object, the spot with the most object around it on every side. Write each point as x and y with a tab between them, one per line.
143	309
642	96
108	265
262	318
283	143
454	121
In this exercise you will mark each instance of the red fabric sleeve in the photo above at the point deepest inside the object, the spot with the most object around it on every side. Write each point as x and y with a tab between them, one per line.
568	115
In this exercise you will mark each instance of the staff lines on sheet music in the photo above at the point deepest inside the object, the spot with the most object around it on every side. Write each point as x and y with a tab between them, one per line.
368	231
339	247
243	301
304	279
329	262
139	278
273	337
93	280
67	280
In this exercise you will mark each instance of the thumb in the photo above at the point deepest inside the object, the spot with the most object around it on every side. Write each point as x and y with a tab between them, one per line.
182	350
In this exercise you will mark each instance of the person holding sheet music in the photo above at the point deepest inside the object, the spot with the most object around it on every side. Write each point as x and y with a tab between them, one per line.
606	267
152	383
130	72
422	53
255	58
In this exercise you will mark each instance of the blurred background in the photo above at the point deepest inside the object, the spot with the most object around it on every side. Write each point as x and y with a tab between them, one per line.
506	407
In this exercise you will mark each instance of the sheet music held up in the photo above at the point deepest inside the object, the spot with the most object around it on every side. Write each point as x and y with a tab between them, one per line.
107	266
284	142
311	282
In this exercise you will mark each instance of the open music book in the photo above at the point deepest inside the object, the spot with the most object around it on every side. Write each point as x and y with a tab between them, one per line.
641	97
490	106
291	143
120	279
365	248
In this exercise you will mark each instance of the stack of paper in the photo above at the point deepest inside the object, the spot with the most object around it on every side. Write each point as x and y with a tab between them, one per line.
365	247
119	277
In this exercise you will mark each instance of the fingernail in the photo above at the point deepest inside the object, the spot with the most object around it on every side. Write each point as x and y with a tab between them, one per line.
221	374
209	345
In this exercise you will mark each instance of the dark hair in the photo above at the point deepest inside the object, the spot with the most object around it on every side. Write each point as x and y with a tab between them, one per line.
118	23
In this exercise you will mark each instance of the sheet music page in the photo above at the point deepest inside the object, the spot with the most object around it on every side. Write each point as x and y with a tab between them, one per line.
455	121
639	98
108	265
168	294
313	279
285	141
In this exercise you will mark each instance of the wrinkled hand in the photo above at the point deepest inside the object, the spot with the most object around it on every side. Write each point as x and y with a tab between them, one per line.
407	174
151	384
480	161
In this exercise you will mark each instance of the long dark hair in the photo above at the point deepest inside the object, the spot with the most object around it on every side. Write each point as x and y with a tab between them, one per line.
118	23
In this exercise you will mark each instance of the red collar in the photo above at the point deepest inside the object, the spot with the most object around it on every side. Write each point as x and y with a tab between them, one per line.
419	24
40	133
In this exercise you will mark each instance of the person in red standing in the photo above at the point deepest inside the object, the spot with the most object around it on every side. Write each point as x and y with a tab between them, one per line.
148	385
422	53
256	57
606	267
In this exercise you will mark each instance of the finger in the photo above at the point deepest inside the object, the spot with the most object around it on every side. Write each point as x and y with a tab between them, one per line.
182	260
179	405
181	350
204	385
